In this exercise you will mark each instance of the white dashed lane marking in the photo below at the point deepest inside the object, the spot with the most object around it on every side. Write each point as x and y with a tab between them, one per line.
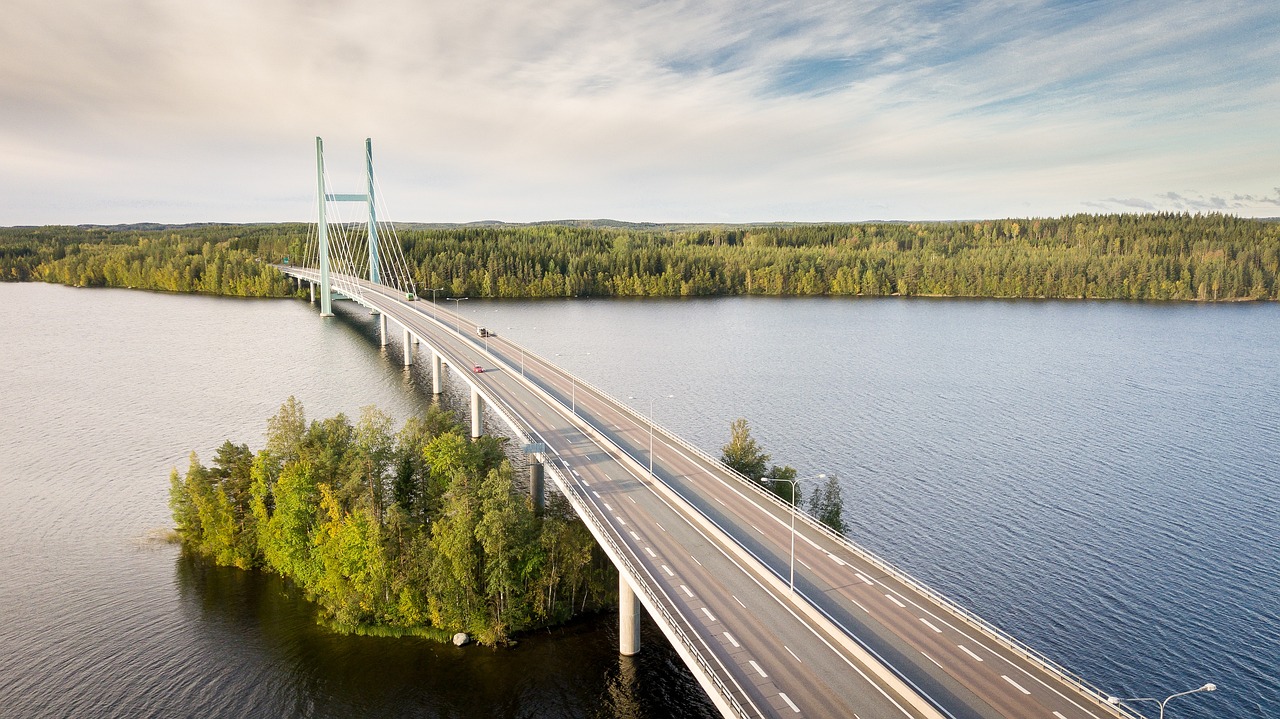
732	641
756	667
687	591
650	551
928	624
707	612
667	569
894	599
1018	686
965	649
793	654
790	703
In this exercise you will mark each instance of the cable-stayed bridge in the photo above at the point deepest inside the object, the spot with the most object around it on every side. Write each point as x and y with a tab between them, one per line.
774	614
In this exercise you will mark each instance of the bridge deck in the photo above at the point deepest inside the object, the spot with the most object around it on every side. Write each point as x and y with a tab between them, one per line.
856	639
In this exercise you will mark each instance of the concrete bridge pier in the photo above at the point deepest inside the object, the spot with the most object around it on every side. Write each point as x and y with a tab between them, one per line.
476	403
382	329
537	488
313	292
408	348
435	372
628	618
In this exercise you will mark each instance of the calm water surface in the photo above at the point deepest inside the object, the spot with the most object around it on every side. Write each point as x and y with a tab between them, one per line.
1101	479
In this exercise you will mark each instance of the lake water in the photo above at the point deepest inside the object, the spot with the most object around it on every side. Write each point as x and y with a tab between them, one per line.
1100	479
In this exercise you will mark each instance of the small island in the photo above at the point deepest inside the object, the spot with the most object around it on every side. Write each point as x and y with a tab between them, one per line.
419	531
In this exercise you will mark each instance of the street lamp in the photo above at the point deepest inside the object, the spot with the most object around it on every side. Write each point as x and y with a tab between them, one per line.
1114	701
651	399
457	314
573	388
433	291
795	482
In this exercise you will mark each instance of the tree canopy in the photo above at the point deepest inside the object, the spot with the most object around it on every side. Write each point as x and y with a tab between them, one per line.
1161	256
417	531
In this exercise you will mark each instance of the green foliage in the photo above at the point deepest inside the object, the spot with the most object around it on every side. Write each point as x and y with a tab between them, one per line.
827	505
742	453
1161	256
212	259
419	531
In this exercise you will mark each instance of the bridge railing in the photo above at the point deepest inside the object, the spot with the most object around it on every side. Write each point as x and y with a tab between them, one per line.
651	589
995	633
998	635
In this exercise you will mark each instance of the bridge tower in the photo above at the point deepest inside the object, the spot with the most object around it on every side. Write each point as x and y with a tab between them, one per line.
322	225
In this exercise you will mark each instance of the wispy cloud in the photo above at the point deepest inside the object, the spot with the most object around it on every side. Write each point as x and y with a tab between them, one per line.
672	110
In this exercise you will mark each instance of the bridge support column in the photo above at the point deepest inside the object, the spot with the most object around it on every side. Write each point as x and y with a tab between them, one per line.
476	429
435	373
537	488
382	329
628	618
408	348
313	292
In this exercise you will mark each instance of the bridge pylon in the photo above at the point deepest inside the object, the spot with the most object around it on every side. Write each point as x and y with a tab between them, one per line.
322	225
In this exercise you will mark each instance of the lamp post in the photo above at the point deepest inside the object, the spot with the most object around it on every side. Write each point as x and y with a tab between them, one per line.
433	291
651	399
457	314
1113	701
794	483
573	388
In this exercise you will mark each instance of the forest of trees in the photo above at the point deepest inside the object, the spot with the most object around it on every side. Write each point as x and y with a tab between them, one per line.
416	531
1138	257
211	259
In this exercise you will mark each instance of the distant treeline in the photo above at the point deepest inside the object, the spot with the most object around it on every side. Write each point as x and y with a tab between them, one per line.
419	531
212	259
1145	257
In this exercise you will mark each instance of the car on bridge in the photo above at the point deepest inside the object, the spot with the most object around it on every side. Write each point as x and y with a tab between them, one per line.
477	369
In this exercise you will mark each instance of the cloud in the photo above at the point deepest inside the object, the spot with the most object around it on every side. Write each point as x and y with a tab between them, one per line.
743	109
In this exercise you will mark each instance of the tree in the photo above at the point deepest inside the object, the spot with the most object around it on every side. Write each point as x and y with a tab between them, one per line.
742	453
781	481
827	504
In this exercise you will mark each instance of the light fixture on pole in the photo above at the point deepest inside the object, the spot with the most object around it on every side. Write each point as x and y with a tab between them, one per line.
651	399
433	291
573	387
794	483
457	314
1114	701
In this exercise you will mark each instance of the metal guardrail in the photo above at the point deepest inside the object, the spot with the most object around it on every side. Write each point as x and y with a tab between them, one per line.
581	504
996	634
999	636
525	434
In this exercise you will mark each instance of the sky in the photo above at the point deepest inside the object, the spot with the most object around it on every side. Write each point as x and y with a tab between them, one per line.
119	111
